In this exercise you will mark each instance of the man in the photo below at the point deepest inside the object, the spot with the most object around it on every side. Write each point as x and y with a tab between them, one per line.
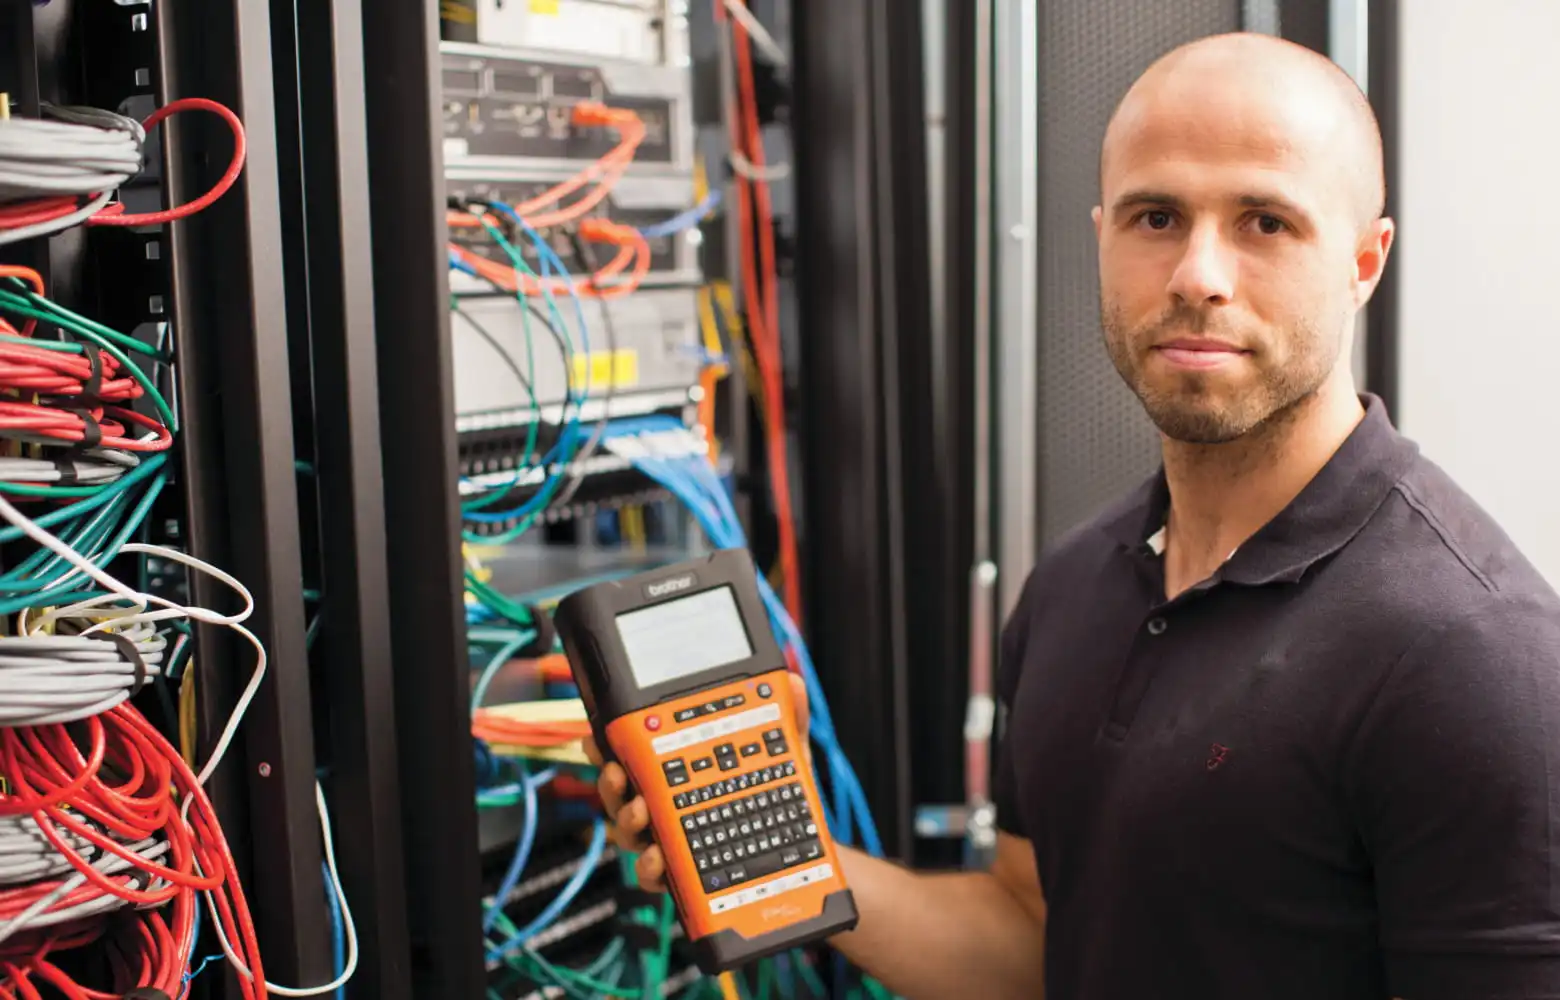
1285	721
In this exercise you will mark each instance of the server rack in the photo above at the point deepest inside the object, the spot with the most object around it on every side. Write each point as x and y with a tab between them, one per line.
242	294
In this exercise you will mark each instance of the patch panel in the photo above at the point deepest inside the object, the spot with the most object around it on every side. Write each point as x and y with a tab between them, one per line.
654	354
635	201
647	31
502	105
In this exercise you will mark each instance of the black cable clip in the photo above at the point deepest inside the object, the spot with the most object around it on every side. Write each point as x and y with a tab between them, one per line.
130	652
92	388
91	430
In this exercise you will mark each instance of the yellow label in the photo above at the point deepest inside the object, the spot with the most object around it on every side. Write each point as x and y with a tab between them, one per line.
546	7
619	369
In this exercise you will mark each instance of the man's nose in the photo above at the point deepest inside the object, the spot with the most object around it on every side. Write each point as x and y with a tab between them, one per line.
1205	274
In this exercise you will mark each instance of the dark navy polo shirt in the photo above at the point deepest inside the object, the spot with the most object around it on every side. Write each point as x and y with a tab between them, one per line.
1329	772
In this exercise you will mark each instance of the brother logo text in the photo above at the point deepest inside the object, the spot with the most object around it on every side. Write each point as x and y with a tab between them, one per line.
671	586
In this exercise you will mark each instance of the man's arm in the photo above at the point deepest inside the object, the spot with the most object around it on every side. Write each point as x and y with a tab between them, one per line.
1455	782
956	935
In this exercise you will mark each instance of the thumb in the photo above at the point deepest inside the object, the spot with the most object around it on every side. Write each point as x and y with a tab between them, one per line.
799	700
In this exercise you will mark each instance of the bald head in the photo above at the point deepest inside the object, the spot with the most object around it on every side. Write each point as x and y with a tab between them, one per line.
1236	88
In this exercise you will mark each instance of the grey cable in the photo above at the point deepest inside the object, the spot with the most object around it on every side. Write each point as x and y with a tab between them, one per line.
47	679
39	914
85	152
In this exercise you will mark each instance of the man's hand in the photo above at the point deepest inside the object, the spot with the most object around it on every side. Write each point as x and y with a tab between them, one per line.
630	819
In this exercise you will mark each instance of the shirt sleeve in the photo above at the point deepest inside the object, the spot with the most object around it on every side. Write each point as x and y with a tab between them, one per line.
1454	776
1010	665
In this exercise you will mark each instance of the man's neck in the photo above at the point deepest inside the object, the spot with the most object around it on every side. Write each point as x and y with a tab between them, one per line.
1221	495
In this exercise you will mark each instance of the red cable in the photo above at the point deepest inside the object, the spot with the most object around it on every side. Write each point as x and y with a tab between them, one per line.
130	782
235	167
759	278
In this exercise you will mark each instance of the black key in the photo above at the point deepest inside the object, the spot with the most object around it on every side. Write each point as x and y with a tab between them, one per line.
702	819
790	856
715	881
812	851
720	836
811	829
686	715
746	828
703	764
709	708
778	748
786	836
769	821
675	778
725	750
740	807
752	848
733	700
675	764
703	862
763	843
786	793
680	800
805	809
704	794
726	813
764	864
689	821
762	799
771	735
790	768
743	782
728	855
728	764
751	749
764	691
732	833
736	874
740	850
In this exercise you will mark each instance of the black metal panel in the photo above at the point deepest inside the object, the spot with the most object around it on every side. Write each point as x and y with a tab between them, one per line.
322	123
416	392
1381	315
861	280
1093	439
237	469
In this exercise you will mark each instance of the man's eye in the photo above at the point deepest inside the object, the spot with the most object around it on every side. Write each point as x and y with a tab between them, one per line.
1157	219
1270	225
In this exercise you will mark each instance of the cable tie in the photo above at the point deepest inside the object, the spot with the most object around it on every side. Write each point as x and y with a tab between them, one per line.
130	652
67	472
91	430
93	387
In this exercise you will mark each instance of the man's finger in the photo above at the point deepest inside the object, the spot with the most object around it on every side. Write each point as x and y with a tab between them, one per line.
799	699
651	869
592	754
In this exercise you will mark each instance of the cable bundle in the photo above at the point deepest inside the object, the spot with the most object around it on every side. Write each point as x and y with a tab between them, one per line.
107	838
63	173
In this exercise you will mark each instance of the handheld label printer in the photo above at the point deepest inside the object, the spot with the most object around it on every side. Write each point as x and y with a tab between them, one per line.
686	687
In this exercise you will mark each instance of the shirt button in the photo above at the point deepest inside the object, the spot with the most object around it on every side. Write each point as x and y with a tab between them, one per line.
1157	626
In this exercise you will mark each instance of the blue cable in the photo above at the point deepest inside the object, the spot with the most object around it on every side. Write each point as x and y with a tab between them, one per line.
693	481
571	890
683	220
528	785
338	940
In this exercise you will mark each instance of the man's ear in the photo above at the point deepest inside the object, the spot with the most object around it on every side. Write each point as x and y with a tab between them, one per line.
1097	215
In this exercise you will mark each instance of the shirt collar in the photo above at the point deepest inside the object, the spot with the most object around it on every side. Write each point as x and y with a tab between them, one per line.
1329	511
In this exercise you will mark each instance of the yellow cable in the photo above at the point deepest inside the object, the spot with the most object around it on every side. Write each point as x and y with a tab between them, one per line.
187	721
728	987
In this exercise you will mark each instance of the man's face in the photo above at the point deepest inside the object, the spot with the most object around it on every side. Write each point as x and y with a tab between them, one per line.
1228	272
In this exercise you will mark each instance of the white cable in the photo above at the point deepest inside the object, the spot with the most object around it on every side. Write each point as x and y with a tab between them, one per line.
117	616
346	919
47	679
762	39
108	864
768	173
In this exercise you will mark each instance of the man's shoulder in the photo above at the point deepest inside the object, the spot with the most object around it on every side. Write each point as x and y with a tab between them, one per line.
1440	533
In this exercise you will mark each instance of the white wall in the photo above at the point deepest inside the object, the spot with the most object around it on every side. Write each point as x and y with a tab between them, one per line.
1478	256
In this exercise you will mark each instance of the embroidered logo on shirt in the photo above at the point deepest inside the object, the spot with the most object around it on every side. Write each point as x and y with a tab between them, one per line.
1216	755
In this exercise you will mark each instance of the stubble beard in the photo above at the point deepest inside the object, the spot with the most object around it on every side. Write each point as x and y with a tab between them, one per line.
1200	407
